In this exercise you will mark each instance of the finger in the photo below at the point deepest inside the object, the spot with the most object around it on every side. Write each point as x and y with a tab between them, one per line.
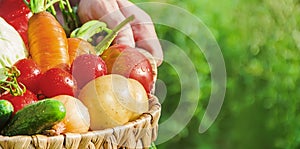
143	29
108	12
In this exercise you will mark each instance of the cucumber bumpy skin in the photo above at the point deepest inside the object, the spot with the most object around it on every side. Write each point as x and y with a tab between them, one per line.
35	118
6	109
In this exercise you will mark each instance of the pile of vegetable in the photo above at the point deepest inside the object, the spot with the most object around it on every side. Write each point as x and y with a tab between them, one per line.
54	80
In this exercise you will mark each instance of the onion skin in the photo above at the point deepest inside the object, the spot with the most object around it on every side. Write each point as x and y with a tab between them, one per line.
77	118
113	100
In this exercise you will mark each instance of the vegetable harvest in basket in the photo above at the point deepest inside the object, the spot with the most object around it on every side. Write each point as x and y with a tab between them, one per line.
60	82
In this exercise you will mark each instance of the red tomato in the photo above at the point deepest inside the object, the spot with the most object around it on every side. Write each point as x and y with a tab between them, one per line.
29	74
126	61
21	101
17	14
57	81
87	67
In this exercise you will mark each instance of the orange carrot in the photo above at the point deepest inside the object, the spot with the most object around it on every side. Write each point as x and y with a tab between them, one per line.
78	46
48	45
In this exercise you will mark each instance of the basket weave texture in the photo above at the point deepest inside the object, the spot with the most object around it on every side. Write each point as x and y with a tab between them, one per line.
136	134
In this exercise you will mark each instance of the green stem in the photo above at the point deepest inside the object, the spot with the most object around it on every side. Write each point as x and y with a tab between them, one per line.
26	3
10	82
71	20
69	6
108	39
153	146
37	6
107	30
49	4
52	10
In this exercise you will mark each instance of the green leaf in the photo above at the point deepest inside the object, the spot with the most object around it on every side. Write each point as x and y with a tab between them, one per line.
89	29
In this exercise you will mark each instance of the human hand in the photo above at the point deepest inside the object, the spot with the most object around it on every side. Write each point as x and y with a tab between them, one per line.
139	33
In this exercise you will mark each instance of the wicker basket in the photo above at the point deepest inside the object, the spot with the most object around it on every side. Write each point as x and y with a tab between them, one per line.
136	134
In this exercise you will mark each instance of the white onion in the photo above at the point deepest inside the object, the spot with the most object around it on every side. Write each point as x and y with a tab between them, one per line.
77	118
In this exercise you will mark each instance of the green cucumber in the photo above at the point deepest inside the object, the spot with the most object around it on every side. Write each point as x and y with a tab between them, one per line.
6	109
35	118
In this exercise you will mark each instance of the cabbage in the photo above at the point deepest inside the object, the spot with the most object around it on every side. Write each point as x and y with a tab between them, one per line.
12	47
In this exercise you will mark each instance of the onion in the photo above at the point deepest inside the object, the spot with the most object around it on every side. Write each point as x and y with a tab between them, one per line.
113	100
77	118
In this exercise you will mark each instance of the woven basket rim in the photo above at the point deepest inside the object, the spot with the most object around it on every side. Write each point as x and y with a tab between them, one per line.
154	107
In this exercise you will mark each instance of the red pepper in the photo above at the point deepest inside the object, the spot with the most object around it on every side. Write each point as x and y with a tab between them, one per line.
17	14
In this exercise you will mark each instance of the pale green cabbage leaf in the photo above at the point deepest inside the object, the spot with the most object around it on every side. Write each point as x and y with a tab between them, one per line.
12	47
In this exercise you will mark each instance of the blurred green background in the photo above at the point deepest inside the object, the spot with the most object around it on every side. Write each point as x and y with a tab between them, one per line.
260	42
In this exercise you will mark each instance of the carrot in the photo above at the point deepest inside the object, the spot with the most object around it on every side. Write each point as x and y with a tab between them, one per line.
48	45
78	46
